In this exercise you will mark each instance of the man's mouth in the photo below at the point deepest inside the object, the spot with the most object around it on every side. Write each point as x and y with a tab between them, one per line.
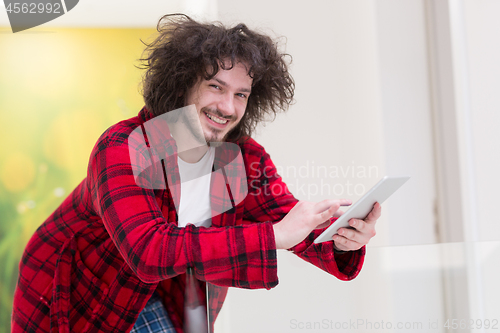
215	119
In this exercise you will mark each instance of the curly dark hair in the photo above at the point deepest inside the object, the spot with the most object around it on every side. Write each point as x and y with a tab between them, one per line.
186	50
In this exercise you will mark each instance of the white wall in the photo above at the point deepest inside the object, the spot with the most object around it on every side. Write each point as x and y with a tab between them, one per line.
481	42
483	51
464	53
407	119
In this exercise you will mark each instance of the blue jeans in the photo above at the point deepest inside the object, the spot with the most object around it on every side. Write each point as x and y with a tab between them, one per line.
153	318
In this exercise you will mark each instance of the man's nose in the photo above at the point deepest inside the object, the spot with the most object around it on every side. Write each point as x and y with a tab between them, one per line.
226	105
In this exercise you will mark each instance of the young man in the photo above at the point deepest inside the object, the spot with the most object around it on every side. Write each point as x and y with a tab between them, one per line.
114	256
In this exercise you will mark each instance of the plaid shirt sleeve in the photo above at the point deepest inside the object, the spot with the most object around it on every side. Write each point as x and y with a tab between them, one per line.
155	248
270	200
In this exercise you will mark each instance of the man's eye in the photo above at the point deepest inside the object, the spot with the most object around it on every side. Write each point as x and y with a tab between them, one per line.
241	95
215	86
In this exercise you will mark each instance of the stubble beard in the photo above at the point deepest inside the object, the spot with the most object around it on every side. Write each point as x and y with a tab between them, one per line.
215	136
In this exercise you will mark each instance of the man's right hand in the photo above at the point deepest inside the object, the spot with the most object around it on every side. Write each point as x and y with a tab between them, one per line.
303	218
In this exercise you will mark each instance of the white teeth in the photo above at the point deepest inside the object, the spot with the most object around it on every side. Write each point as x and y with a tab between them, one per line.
216	119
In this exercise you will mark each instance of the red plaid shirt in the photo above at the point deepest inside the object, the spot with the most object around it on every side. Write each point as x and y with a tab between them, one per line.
94	263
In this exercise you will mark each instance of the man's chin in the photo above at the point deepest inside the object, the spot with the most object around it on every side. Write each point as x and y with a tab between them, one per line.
212	137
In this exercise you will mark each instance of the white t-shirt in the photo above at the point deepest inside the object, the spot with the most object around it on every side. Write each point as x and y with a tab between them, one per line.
194	207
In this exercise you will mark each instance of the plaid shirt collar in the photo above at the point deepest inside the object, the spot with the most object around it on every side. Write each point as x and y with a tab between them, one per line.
228	183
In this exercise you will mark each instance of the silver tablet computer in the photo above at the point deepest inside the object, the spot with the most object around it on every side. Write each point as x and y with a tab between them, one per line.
359	210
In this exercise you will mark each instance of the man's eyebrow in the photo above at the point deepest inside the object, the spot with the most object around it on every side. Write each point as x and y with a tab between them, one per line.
222	83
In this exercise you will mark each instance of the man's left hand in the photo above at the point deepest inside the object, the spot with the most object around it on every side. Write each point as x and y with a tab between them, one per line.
360	233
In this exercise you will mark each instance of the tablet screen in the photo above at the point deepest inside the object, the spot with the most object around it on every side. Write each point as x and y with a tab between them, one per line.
359	210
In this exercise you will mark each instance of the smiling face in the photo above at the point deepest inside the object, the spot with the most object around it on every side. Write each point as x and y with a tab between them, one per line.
221	101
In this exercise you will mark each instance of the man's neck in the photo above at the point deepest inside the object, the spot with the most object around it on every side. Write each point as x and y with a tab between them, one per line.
193	155
190	147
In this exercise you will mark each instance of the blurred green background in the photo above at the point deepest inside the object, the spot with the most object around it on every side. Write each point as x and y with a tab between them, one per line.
59	90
